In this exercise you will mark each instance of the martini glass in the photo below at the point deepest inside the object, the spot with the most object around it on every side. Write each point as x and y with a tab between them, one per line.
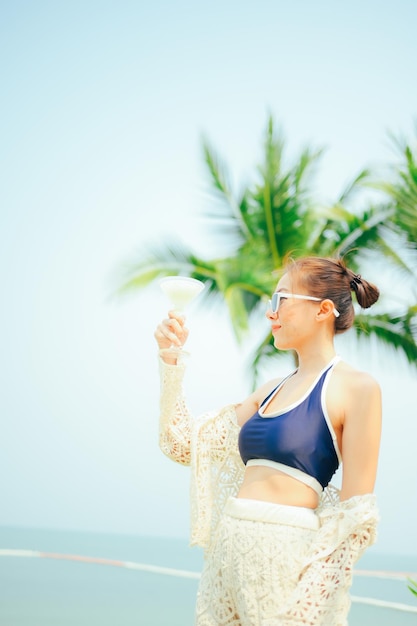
180	290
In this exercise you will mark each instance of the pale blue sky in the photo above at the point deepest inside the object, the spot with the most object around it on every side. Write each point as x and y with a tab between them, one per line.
103	109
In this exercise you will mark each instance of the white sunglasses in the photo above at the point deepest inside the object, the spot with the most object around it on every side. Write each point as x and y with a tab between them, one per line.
276	300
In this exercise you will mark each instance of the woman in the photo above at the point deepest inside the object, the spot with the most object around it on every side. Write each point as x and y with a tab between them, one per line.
279	543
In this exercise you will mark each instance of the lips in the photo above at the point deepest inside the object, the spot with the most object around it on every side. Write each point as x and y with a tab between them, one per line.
275	328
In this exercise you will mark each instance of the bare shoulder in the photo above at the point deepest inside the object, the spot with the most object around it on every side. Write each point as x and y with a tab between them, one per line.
353	395
354	380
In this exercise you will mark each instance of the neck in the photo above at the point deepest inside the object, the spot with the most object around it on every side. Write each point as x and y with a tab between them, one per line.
311	361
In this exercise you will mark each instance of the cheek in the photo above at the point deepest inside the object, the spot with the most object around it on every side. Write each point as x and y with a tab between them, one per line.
289	327
287	316
293	322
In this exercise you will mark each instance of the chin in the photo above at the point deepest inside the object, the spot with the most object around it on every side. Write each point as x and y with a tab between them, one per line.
281	344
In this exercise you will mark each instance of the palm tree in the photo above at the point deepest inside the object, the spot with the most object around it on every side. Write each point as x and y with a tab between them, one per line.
399	206
269	220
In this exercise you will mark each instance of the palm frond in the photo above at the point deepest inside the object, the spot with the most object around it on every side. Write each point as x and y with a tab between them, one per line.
279	210
400	185
353	186
396	331
357	235
412	586
304	167
158	260
225	214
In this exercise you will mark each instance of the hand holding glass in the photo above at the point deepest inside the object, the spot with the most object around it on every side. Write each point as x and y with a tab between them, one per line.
180	290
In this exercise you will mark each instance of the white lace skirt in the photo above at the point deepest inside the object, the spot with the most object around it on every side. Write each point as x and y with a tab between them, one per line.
254	563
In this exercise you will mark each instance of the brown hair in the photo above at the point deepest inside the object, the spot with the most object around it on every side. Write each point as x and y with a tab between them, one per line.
331	278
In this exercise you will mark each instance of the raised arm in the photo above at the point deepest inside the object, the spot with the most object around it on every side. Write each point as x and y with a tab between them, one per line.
175	421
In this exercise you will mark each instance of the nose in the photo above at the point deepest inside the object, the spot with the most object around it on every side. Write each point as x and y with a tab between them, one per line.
269	314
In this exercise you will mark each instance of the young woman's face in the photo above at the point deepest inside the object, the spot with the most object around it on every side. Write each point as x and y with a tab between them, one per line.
294	321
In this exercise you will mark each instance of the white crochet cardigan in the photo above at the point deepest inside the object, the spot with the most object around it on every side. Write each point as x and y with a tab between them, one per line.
208	444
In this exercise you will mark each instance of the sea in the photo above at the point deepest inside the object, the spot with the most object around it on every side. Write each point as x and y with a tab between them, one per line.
66	578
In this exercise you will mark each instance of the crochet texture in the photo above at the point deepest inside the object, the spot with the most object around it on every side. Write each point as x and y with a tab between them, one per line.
316	592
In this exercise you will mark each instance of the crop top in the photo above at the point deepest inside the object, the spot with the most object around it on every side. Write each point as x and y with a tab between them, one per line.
298	440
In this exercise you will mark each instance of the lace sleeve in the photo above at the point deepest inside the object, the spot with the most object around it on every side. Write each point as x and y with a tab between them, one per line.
175	421
322	594
208	443
216	471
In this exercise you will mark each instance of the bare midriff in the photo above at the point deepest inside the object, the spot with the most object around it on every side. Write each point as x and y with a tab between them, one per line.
271	485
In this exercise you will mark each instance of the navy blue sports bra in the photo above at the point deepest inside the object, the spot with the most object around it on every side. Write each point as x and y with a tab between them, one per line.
298	440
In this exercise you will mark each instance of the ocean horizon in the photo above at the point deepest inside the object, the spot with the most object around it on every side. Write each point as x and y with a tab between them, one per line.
74	578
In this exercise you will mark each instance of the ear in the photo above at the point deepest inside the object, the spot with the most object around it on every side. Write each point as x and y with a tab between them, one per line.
325	311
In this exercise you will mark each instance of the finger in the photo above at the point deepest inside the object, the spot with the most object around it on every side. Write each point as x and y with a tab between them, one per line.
176	325
176	315
169	331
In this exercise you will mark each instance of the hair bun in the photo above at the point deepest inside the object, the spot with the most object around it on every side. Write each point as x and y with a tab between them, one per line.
356	280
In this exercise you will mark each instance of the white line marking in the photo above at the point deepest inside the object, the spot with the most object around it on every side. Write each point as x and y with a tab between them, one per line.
397	606
162	570
4	552
179	573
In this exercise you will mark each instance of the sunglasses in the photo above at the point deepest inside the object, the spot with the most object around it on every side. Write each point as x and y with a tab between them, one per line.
275	301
